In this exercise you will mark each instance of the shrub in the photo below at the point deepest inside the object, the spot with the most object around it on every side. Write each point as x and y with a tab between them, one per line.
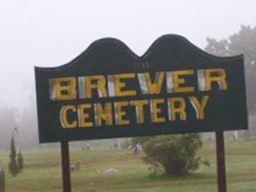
13	168
20	161
177	154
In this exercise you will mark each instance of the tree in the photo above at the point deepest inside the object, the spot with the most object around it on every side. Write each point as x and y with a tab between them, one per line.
177	154
243	42
13	168
20	161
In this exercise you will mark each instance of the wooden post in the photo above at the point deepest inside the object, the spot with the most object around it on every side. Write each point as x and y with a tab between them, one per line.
65	166
221	169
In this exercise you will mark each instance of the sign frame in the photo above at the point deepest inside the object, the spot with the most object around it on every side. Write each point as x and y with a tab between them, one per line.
169	56
168	53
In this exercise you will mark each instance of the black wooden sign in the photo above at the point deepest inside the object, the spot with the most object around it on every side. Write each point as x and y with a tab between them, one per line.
108	92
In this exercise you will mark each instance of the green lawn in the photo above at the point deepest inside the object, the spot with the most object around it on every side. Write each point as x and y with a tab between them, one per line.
42	172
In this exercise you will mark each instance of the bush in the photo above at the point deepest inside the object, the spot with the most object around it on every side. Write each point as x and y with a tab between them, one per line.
20	161
177	154
13	168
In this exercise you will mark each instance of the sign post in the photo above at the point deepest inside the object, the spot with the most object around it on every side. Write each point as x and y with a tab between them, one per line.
221	169
65	162
110	92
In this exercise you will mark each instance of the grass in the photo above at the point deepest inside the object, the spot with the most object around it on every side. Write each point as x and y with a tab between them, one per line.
42	172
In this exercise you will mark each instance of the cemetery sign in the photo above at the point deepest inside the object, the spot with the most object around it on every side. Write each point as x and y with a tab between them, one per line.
108	92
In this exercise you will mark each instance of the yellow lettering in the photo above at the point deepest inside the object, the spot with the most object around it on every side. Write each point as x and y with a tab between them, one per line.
216	76
155	110
120	85
199	106
95	82
103	112
149	87
139	108
177	106
64	116
179	81
120	113
63	88
83	116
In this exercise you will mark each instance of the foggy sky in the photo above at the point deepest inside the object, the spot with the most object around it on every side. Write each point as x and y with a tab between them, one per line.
51	32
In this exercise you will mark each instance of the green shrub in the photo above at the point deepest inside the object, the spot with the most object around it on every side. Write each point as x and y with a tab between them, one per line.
177	154
20	161
13	168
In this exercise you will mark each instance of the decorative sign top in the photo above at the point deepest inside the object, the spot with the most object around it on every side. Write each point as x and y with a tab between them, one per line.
108	91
